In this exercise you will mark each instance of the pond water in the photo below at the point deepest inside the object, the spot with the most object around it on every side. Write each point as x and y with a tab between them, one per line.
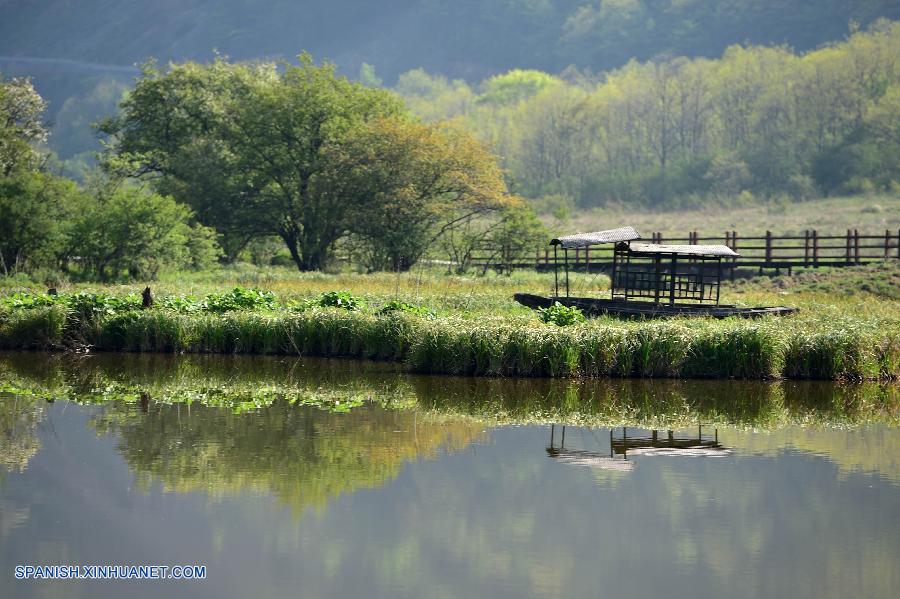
316	478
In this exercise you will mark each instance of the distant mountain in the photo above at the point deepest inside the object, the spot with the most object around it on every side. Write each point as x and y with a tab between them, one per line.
458	38
81	53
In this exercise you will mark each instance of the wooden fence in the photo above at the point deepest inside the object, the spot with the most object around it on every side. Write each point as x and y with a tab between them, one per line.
768	251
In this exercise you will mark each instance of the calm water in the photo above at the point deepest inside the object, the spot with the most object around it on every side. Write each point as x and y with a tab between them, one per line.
341	479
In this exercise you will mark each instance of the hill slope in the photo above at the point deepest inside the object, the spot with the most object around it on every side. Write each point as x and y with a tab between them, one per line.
463	38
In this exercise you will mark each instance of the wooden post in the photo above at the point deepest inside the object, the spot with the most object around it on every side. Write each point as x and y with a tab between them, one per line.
672	280
815	241
718	277
768	246
612	276
587	259
566	258
856	245
627	272
734	246
556	270
657	277
806	247
887	242
847	253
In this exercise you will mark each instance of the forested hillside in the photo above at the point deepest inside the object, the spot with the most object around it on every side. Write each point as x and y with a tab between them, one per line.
667	102
464	38
758	122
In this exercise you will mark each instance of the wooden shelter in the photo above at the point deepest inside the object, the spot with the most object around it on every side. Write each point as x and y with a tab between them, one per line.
649	279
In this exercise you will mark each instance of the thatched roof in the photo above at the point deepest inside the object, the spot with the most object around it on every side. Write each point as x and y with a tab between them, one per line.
583	240
691	250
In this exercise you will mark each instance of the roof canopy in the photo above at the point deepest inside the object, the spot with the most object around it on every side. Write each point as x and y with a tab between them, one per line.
583	240
693	250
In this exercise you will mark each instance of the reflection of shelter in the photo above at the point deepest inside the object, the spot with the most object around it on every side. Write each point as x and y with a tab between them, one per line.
667	444
620	447
578	457
648	279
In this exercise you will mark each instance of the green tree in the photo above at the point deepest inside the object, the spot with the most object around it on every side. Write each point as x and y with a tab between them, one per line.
414	182
21	124
514	86
517	233
128	231
36	210
265	135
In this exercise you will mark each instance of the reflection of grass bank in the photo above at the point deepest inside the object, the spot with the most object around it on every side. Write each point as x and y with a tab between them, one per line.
247	384
824	345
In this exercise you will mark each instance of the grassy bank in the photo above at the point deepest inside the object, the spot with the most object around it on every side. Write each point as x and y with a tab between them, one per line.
824	342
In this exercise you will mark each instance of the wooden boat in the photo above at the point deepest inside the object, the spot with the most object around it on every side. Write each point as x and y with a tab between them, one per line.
651	280
608	307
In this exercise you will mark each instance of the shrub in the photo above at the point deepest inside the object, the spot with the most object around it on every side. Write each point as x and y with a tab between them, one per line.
240	298
25	301
341	299
398	306
561	315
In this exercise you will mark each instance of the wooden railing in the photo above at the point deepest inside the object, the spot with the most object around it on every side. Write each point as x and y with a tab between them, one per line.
768	251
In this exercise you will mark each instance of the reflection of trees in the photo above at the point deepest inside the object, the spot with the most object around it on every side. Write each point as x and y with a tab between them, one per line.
527	526
304	456
251	383
659	403
871	450
19	417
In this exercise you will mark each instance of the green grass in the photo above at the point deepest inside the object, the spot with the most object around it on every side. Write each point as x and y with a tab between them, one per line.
436	323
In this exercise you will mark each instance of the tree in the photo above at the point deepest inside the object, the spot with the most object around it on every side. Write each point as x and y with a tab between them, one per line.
34	206
517	232
515	86
267	134
412	182
128	231
36	210
21	124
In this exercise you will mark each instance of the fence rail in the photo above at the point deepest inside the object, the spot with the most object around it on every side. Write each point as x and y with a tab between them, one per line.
768	251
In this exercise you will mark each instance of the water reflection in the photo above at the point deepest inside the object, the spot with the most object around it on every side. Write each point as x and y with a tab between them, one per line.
638	443
19	418
167	459
581	457
785	410
301	455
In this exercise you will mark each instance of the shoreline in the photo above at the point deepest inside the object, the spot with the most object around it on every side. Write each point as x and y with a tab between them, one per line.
686	348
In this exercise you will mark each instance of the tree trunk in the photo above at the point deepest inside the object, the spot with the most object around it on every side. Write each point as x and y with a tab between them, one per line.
290	240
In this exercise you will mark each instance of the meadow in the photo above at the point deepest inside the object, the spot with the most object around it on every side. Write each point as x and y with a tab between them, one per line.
871	214
434	322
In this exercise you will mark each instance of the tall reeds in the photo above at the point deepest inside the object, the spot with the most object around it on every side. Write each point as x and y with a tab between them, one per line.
498	346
